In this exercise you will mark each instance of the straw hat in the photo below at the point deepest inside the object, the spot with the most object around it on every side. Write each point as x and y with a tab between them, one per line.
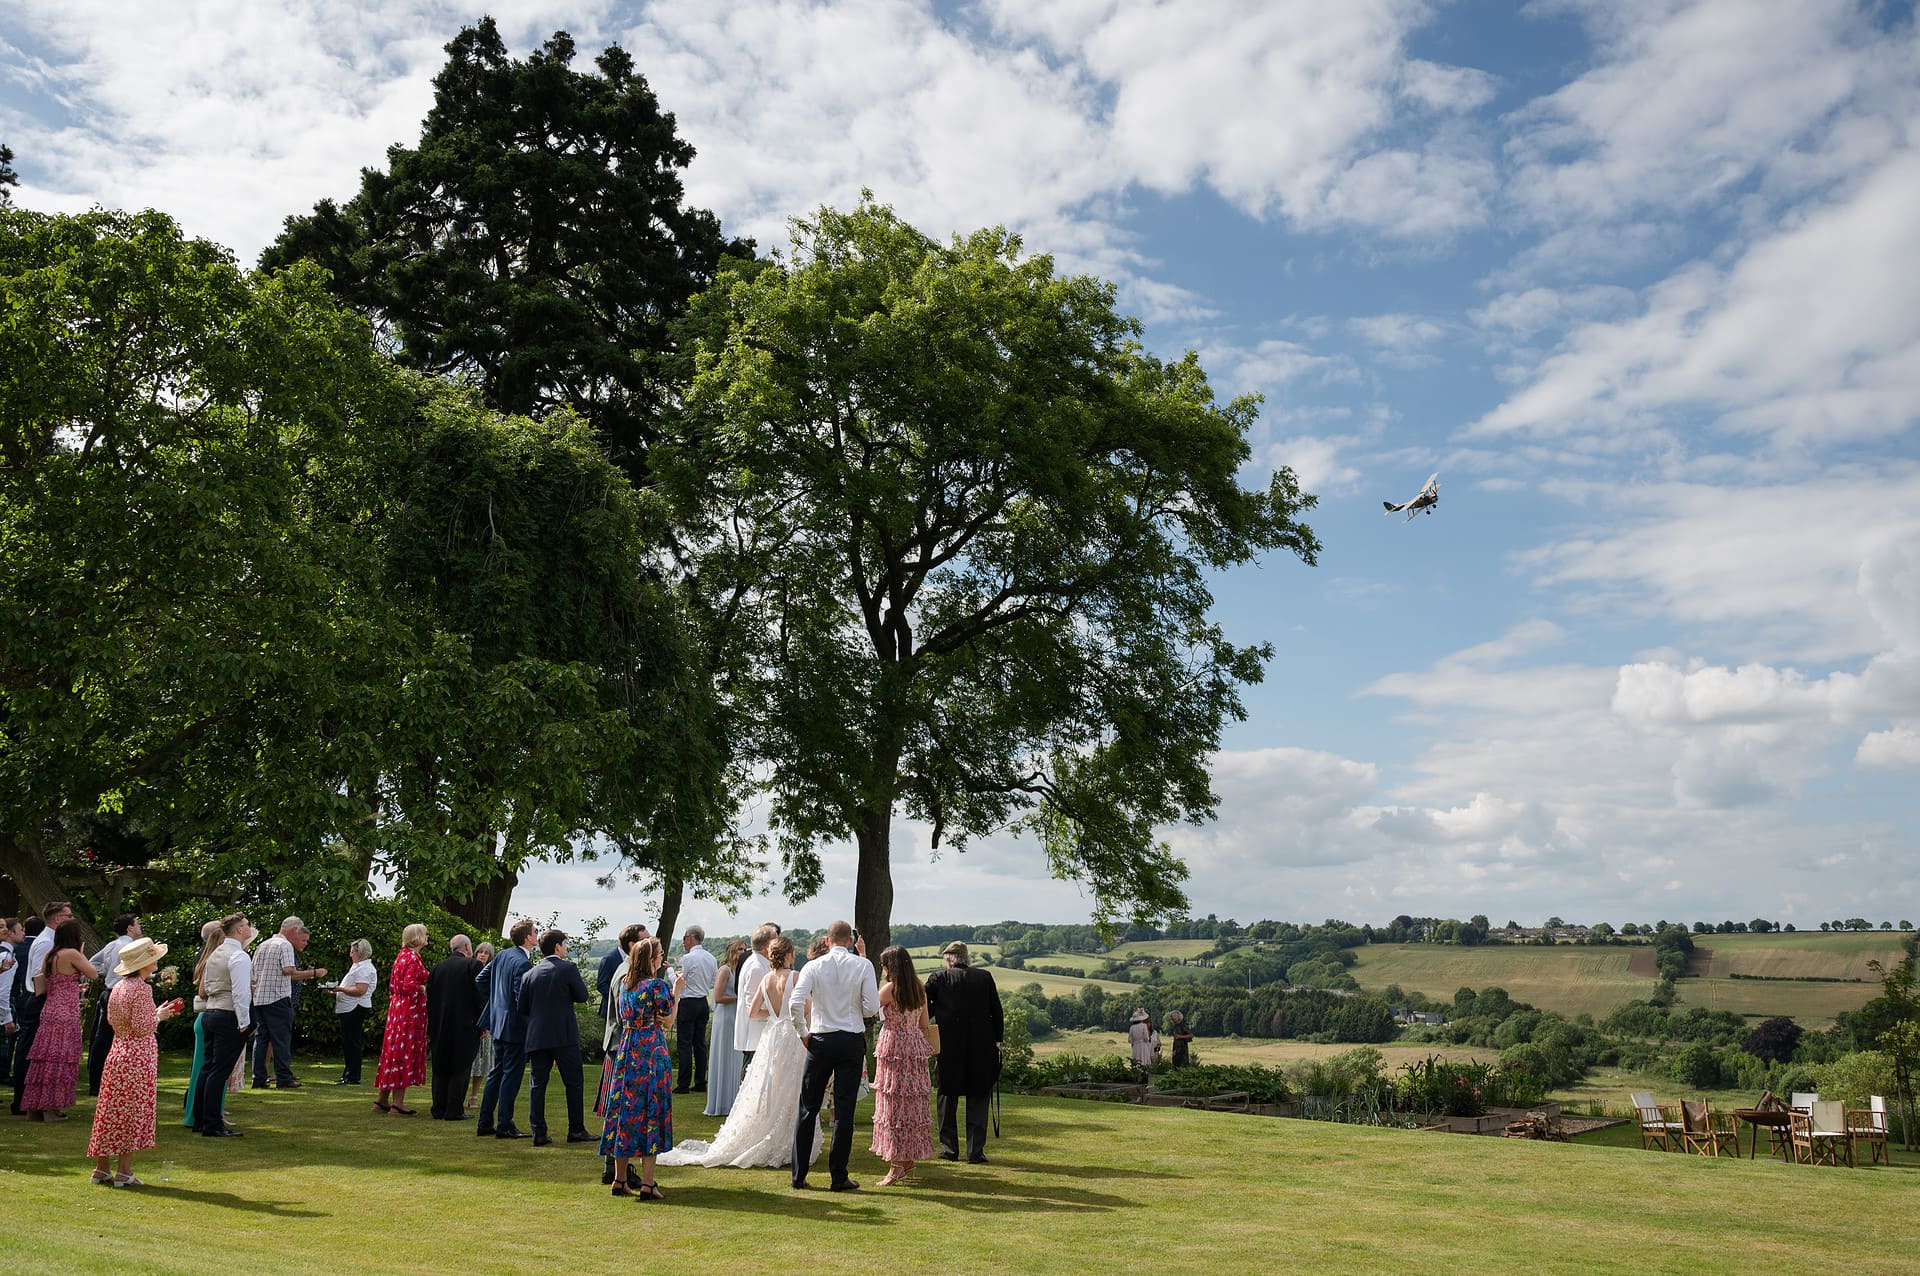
1139	1015
141	953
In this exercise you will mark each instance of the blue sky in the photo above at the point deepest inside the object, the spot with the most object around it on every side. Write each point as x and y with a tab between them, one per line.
1636	276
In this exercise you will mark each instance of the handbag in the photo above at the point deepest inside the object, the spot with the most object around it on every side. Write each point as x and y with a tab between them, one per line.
933	1036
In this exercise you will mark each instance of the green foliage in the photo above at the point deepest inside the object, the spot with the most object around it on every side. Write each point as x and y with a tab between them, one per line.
1697	1066
987	520
9	179
1262	1084
534	243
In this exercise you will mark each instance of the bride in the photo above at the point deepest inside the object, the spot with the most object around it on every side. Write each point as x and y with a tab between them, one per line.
759	1131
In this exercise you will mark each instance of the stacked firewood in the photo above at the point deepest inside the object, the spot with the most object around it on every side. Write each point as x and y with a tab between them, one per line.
1535	1127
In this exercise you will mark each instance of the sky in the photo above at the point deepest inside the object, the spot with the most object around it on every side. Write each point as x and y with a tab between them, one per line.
1637	278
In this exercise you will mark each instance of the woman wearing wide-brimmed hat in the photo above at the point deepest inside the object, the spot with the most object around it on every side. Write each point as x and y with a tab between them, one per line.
123	1119
1142	1037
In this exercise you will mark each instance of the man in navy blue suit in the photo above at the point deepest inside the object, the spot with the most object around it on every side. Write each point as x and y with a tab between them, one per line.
499	984
547	997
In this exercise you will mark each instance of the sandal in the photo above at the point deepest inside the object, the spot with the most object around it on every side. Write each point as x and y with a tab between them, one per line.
103	1178
397	1110
651	1192
621	1189
381	1105
127	1180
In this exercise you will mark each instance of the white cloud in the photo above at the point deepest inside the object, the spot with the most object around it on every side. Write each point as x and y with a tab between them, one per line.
1897	749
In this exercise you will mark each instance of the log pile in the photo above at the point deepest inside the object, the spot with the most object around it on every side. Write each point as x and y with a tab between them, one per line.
1535	1127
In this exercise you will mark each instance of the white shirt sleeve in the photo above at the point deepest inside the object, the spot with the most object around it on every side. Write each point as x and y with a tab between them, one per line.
242	967
797	998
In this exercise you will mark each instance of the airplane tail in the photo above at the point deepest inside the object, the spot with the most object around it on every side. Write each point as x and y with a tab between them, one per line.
1392	508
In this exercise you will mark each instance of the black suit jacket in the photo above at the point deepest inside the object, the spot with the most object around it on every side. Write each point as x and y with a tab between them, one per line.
453	1002
603	979
547	997
966	1004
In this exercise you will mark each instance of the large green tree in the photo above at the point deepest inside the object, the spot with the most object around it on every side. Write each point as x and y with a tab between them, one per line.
297	614
8	178
535	243
980	521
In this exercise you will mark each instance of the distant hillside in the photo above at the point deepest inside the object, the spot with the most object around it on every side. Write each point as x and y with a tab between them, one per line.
1781	974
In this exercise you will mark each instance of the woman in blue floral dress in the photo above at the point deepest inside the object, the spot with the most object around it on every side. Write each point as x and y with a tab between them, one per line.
638	1121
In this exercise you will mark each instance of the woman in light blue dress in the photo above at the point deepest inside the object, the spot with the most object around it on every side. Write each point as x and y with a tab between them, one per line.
723	1063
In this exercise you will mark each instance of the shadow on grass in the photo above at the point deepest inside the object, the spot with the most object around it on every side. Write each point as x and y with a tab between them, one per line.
984	1195
228	1201
815	1204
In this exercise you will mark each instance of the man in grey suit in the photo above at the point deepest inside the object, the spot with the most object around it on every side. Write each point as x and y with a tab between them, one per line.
547	997
499	984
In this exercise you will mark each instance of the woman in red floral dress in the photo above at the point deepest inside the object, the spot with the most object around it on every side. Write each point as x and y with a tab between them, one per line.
902	1090
403	1051
123	1120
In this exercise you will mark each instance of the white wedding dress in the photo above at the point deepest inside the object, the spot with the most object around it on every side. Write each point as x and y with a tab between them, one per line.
758	1133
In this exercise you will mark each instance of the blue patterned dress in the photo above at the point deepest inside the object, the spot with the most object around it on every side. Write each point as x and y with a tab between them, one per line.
639	1116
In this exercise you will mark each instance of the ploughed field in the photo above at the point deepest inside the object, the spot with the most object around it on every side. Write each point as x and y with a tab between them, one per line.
322	1185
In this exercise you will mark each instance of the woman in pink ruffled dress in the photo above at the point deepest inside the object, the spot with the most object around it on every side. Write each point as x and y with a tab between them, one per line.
902	1090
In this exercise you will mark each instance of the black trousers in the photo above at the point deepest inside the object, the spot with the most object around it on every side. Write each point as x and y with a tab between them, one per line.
26	1013
452	1064
99	1043
835	1057
225	1043
543	1062
977	1108
353	1043
692	1030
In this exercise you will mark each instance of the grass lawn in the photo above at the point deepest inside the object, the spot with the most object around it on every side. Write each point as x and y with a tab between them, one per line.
322	1185
1244	1050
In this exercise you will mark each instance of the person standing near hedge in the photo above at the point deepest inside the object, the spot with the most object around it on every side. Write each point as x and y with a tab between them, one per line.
403	1050
453	1027
53	1073
26	997
639	1117
124	1120
276	969
499	980
126	928
226	993
547	997
352	1004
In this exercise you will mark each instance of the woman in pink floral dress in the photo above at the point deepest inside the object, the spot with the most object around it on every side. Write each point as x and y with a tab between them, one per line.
902	1090
123	1120
53	1069
403	1050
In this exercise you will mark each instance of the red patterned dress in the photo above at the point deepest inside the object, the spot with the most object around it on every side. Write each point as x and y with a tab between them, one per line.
902	1091
53	1071
123	1120
403	1051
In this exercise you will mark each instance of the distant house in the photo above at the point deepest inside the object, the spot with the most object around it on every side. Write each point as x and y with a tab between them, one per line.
1417	1018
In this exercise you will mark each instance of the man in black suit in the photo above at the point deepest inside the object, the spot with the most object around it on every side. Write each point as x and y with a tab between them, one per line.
610	965
453	1027
965	1003
547	997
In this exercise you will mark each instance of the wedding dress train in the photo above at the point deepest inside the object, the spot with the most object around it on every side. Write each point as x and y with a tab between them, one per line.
759	1131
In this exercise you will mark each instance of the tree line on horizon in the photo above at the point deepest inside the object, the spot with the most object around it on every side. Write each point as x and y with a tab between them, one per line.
511	510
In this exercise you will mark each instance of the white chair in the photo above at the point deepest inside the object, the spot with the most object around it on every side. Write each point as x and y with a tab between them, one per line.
1657	1128
1868	1125
1820	1134
1802	1100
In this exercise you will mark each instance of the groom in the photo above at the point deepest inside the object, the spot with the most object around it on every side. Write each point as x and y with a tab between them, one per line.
840	982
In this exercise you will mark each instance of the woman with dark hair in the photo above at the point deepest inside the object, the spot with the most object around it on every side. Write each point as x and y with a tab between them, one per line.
639	1110
53	1067
902	1090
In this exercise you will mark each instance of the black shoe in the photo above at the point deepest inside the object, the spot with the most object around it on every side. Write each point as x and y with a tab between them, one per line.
344	1081
257	1085
680	1089
606	1177
542	1141
581	1136
949	1156
844	1185
485	1132
221	1134
701	1088
511	1134
459	1116
977	1160
800	1185
287	1085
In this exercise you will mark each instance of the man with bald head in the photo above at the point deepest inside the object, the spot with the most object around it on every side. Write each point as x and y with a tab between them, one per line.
453	1027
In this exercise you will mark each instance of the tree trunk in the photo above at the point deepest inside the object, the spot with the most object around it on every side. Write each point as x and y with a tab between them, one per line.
873	881
670	895
362	836
24	861
485	906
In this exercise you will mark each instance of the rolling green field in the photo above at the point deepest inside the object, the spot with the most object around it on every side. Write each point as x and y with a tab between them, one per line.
1802	955
1165	948
1812	1004
322	1185
1052	985
1246	1050
1570	980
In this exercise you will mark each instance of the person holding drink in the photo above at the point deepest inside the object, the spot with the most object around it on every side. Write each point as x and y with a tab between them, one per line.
124	1120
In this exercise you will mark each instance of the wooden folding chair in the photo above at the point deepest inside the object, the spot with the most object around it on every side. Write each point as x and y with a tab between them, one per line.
1702	1134
1820	1135
1868	1125
1657	1126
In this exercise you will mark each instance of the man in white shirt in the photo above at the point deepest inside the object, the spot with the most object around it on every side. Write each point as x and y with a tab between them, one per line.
702	973
747	1027
841	985
228	982
10	935
126	928
26	1007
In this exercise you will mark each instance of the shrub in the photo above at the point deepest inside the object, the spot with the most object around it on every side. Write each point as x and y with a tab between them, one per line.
1697	1066
1854	1077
